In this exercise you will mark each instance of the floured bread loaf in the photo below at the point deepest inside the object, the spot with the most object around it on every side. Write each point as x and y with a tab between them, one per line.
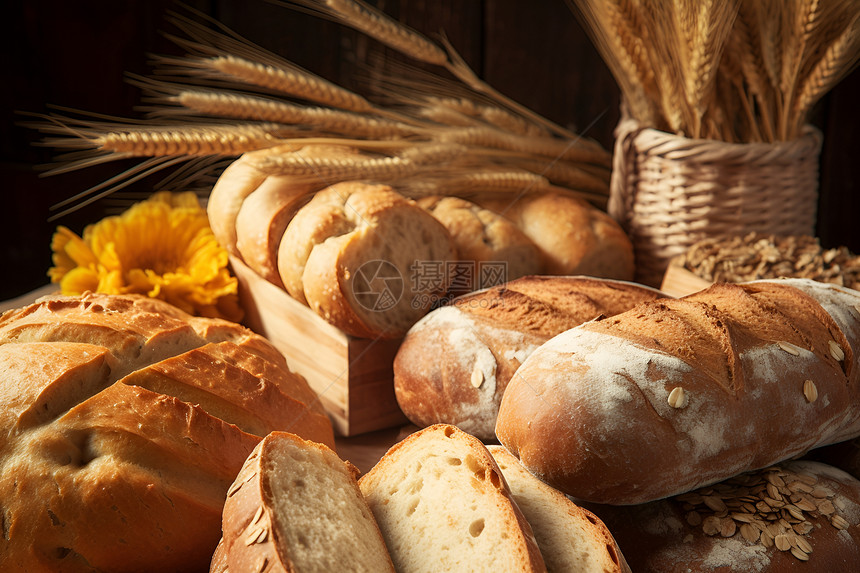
570	538
680	393
797	516
574	237
455	363
442	504
486	243
296	507
123	421
354	255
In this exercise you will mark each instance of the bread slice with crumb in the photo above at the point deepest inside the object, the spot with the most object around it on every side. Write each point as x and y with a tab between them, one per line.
570	537
442	504
295	507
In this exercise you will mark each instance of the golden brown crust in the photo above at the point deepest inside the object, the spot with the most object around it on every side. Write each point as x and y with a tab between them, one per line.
263	218
124	421
574	237
482	236
454	365
252	522
342	237
676	394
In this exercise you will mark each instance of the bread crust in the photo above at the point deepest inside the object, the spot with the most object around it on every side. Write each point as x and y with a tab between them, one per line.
575	238
559	523
454	364
347	226
590	412
123	422
668	536
251	532
482	236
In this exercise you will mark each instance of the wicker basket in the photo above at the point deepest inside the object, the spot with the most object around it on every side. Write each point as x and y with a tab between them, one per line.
669	191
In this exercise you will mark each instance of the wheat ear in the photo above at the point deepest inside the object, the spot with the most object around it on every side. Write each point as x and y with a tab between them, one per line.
840	58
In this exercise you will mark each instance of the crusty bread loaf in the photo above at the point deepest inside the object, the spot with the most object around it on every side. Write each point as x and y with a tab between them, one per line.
485	241
295	506
574	237
123	422
570	538
352	255
798	516
679	393
455	363
442	504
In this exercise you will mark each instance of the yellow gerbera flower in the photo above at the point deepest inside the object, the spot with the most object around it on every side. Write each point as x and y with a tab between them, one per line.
162	247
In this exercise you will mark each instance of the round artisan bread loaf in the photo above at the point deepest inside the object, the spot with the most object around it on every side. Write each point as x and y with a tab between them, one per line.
123	421
796	516
676	394
575	238
455	363
355	255
296	506
490	248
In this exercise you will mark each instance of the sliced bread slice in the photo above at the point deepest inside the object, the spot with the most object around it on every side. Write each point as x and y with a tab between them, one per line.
443	505
296	507
570	537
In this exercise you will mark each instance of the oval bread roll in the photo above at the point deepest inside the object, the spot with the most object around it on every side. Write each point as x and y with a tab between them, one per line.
574	237
353	254
483	238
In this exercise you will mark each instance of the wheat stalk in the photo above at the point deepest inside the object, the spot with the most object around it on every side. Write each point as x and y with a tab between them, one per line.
737	70
840	57
436	128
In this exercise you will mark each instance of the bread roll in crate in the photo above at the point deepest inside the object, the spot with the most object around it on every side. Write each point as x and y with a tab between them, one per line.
335	273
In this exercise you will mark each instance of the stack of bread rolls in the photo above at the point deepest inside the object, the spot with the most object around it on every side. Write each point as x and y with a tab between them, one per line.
313	234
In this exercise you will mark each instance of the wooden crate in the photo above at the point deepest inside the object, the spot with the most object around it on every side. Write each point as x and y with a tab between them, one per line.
678	281
353	376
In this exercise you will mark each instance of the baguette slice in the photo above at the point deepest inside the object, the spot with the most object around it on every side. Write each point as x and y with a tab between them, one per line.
296	507
570	537
443	505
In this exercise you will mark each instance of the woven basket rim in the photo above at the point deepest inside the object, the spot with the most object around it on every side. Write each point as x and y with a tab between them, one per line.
662	184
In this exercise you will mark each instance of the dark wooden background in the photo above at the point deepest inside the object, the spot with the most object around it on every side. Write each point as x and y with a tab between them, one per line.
75	54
